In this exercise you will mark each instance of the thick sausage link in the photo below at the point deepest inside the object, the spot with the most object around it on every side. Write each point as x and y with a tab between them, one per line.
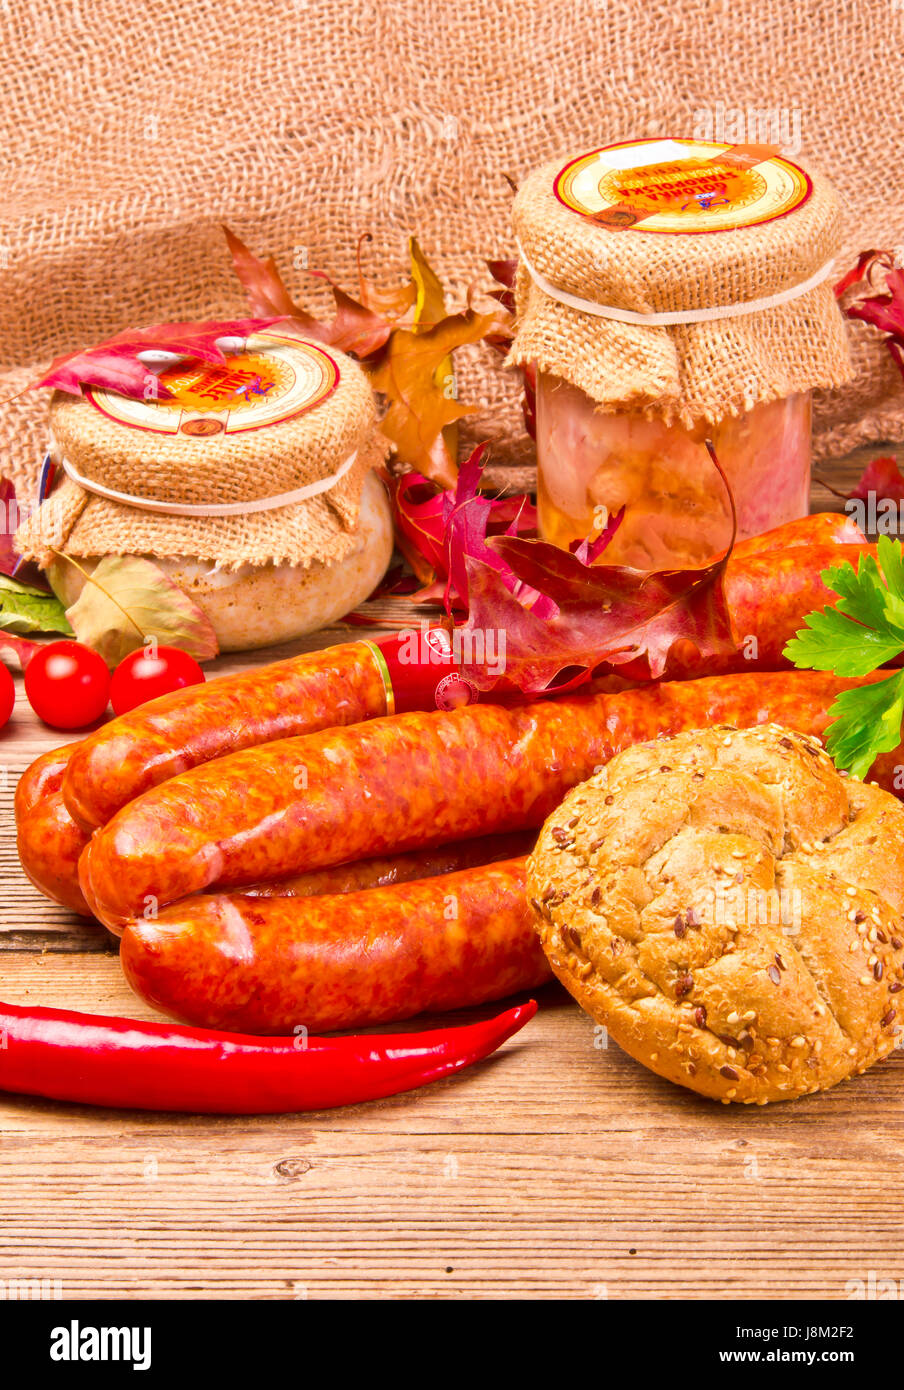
48	840
275	965
50	845
396	784
821	528
768	595
341	685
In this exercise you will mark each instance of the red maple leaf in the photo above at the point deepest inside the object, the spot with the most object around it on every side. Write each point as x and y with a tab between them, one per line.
116	365
563	615
882	477
603	614
885	309
358	328
436	530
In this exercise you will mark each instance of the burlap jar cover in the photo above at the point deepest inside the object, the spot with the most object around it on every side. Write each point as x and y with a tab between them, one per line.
261	461
597	304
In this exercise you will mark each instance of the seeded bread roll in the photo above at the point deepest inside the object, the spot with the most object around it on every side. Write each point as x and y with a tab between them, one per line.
730	907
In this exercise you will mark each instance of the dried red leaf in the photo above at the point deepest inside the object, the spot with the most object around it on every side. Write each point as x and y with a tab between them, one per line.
882	477
604	614
22	647
572	615
418	514
503	272
355	329
587	551
865	262
885	309
115	364
260	279
436	529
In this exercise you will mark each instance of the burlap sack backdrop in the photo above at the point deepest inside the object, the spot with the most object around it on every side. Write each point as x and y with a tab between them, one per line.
130	133
682	372
230	469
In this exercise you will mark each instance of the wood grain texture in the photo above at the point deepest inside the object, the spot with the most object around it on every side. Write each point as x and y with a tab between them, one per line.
555	1169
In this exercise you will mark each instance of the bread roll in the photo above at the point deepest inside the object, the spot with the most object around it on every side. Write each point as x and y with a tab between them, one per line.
730	908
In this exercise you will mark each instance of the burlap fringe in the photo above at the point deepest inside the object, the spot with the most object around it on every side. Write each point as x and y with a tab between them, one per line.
685	372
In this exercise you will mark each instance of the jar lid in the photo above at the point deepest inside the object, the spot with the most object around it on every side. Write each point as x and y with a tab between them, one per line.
268	379
260	458
682	187
685	277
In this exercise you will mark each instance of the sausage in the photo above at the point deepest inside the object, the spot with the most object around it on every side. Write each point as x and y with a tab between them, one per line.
50	844
820	528
768	596
276	965
343	685
48	840
398	868
316	690
401	783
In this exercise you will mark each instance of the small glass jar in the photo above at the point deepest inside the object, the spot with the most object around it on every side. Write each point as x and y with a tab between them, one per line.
592	462
672	291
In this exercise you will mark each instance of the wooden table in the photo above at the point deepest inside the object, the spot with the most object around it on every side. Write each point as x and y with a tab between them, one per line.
552	1170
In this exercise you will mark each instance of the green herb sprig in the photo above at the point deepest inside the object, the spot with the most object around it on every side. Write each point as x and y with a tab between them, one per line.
862	632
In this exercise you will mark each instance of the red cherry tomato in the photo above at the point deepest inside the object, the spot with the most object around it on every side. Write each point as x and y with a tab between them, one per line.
142	676
7	695
67	684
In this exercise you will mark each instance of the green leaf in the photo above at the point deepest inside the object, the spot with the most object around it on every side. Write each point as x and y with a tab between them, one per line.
832	642
867	722
865	628
864	631
891	561
24	609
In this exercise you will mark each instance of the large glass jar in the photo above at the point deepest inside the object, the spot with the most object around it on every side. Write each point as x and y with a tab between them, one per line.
591	462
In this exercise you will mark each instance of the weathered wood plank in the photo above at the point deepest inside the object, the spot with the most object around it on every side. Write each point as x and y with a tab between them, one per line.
553	1170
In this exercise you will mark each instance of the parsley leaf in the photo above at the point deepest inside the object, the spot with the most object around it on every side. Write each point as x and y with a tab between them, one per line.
867	723
864	631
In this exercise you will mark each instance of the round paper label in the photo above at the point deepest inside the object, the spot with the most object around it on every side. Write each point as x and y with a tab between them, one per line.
274	379
676	187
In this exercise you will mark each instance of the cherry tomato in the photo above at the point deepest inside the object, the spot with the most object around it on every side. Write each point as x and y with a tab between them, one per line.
7	694
67	684
142	676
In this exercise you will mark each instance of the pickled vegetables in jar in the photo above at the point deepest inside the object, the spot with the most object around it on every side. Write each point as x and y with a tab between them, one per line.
591	463
670	292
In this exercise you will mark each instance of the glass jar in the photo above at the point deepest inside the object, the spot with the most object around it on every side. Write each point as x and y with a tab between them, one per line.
592	462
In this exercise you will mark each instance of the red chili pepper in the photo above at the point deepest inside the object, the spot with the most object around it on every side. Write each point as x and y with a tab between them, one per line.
157	1066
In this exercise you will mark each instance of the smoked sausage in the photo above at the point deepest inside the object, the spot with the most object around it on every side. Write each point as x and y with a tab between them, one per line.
820	528
768	595
50	844
316	690
402	783
351	683
277	965
48	840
